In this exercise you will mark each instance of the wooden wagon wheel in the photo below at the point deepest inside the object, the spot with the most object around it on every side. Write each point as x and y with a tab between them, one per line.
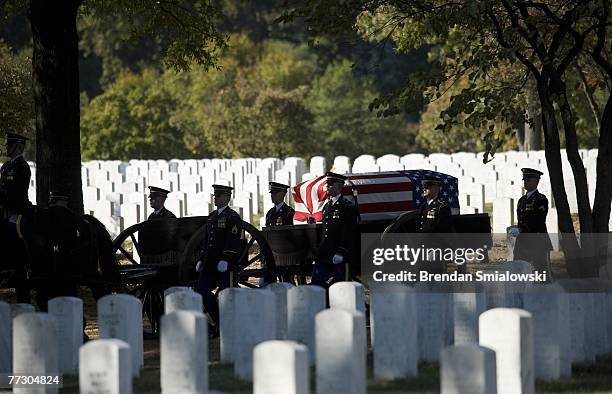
255	259
127	242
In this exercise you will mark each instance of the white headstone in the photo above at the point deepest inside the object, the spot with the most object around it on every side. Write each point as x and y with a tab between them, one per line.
18	309
303	304
341	352
280	291
120	317
393	319
5	338
503	214
432	312
227	322
347	295
183	300
509	332
551	327
105	367
184	352
467	369
467	307
255	316
281	367
174	289
35	348
69	314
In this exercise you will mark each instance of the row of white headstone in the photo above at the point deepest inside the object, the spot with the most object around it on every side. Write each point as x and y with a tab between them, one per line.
555	329
115	192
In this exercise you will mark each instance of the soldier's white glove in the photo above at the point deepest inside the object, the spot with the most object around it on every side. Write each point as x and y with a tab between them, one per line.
222	266
199	266
337	259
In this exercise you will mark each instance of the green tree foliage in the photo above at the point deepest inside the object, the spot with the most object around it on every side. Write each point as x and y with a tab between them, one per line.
16	104
131	120
251	106
343	124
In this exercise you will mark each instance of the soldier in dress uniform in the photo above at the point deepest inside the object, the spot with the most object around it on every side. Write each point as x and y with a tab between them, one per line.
434	214
15	178
434	217
157	198
340	234
219	250
281	214
533	243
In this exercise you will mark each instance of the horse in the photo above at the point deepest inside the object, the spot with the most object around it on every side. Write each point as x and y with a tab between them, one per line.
53	251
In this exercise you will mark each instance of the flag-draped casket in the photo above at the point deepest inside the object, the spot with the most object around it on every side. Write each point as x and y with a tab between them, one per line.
380	195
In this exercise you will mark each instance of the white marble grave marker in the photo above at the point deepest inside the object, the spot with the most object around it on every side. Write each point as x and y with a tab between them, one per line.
281	367
35	348
120	317
280	290
183	300
467	369
509	332
184	352
69	314
347	295
341	352
255	317
303	304
393	319
105	367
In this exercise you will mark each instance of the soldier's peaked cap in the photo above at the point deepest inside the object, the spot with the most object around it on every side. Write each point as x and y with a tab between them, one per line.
155	191
429	180
12	138
333	177
531	173
222	189
57	195
278	187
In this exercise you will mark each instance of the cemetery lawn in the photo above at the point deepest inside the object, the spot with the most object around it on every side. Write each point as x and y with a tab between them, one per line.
586	378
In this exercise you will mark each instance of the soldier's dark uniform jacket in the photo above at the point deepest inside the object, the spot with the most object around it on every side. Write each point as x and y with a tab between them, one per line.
282	217
531	212
223	239
162	214
14	182
533	243
434	217
339	230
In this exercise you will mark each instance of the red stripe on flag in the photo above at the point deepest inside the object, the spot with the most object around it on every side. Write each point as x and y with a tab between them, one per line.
296	195
381	188
303	216
386	207
309	204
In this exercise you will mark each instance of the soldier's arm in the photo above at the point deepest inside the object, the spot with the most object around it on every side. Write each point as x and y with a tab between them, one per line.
288	219
232	240
445	220
348	229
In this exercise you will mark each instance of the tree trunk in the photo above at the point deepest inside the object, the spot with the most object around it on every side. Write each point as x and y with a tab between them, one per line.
603	188
520	136
559	91
55	76
552	147
533	130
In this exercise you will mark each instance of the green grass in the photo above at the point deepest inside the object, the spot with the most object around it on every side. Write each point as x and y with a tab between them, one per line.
586	379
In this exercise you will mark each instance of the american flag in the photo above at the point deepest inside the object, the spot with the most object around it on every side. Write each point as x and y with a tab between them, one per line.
380	195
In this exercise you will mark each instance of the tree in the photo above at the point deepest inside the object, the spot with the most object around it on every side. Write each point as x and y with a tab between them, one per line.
16	108
253	107
536	39
131	120
343	123
189	27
